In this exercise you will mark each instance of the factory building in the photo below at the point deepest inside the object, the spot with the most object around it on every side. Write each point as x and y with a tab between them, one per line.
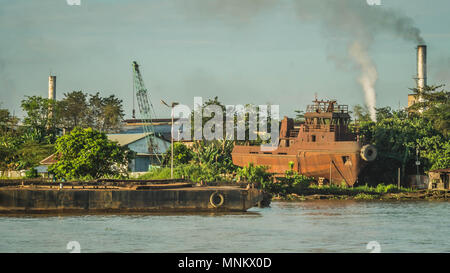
139	144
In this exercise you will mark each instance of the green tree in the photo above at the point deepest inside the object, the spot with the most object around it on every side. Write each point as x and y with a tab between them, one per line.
436	150
215	153
205	119
299	116
254	111
434	103
256	174
10	141
181	155
41	125
396	137
86	153
384	113
361	113
7	121
105	114
112	114
94	118
8	152
74	110
207	161
30	153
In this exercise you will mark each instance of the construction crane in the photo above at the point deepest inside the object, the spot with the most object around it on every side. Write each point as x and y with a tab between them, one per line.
146	110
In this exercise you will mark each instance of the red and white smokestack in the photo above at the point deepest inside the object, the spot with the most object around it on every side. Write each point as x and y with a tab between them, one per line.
421	66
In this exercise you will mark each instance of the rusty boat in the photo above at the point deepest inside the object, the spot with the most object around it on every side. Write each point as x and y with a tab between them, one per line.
322	147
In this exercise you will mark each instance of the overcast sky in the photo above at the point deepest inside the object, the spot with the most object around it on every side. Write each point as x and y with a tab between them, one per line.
243	51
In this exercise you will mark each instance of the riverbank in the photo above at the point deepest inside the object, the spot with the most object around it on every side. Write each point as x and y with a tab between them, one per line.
431	195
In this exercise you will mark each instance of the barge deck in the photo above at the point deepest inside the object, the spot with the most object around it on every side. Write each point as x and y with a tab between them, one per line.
183	197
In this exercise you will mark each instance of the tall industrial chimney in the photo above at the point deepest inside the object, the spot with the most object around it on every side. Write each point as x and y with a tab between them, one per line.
421	77
51	96
421	66
52	87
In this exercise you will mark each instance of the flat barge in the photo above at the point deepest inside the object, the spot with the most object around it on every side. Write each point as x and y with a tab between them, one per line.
161	198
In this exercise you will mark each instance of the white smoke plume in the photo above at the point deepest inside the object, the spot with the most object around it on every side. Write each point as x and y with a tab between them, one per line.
369	75
351	21
358	23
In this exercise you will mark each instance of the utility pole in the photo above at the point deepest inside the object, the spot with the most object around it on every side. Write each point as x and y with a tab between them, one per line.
417	164
173	104
417	160
330	174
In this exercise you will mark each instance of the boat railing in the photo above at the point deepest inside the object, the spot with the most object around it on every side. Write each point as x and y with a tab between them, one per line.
319	128
293	132
325	108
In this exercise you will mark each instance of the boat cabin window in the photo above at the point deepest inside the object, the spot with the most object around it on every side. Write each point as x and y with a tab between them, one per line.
345	159
313	138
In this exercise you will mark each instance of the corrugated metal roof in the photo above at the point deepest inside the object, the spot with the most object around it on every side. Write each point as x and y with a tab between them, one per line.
125	139
51	159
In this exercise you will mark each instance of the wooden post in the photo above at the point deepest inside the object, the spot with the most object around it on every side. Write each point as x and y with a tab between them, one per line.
398	183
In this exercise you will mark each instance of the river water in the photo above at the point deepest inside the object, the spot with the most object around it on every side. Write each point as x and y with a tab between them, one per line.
316	226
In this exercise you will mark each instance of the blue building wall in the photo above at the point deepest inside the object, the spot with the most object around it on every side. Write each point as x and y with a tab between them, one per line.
141	162
141	145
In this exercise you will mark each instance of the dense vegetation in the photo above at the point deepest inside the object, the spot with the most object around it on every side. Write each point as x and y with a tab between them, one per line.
401	136
205	161
23	146
19	149
397	135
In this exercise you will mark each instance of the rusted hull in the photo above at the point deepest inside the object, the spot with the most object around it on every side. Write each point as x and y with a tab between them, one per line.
338	162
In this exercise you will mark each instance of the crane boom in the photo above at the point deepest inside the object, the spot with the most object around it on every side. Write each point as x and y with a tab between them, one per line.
146	110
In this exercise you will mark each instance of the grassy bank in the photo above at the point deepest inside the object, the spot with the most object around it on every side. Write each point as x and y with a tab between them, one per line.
381	192
159	173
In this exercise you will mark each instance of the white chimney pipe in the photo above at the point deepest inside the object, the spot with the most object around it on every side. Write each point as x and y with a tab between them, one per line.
421	66
52	87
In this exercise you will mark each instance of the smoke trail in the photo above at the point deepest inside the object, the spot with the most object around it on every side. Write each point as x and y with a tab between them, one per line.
351	21
359	23
358	52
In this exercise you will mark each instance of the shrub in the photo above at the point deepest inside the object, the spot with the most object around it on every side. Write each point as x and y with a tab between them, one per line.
181	155
86	153
256	174
158	173
31	173
364	196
